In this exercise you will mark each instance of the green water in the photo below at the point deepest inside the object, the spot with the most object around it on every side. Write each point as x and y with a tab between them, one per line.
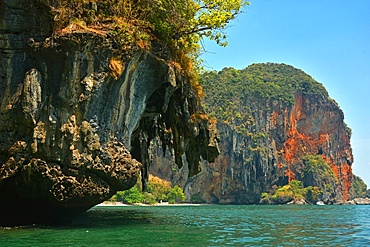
204	226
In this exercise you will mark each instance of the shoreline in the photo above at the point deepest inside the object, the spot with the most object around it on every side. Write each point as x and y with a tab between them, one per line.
356	201
120	204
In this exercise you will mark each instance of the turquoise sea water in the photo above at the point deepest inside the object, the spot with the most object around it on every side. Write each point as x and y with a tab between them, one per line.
209	225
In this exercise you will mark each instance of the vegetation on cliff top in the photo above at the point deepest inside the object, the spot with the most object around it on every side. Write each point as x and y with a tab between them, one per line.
230	92
171	29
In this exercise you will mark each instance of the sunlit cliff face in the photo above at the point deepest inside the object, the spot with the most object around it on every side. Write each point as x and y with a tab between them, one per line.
312	125
317	127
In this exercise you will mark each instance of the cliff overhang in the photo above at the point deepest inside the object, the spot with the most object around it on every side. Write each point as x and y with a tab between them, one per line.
73	129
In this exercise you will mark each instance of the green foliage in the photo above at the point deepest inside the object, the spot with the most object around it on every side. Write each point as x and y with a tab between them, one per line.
292	191
359	188
158	191
317	172
213	16
289	192
175	26
149	198
131	196
158	188
113	198
265	198
318	184
171	29
176	195
313	194
189	20
233	96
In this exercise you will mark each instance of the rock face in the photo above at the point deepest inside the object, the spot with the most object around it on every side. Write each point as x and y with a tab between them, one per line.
73	131
269	152
359	201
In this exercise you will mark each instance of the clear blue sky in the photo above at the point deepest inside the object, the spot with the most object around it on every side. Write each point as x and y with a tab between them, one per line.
329	40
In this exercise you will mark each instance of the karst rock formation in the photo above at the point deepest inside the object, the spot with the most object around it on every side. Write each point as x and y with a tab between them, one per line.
72	132
265	132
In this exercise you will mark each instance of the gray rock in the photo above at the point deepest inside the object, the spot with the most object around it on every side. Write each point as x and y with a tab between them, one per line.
73	131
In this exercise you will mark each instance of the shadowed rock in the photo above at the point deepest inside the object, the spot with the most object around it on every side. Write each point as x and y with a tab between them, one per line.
73	132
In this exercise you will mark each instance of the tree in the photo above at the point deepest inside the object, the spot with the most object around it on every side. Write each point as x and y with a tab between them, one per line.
131	196
202	17
178	24
149	198
176	195
159	188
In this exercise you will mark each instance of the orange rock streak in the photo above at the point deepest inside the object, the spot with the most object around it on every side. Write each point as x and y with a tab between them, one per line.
299	144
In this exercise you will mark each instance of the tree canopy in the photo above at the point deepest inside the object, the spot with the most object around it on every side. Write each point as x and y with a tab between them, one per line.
173	24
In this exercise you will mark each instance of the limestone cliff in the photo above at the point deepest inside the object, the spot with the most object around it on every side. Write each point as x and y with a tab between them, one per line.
73	129
270	116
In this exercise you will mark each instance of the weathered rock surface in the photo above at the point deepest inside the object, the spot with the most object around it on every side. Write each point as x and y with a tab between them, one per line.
359	201
270	154
71	133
